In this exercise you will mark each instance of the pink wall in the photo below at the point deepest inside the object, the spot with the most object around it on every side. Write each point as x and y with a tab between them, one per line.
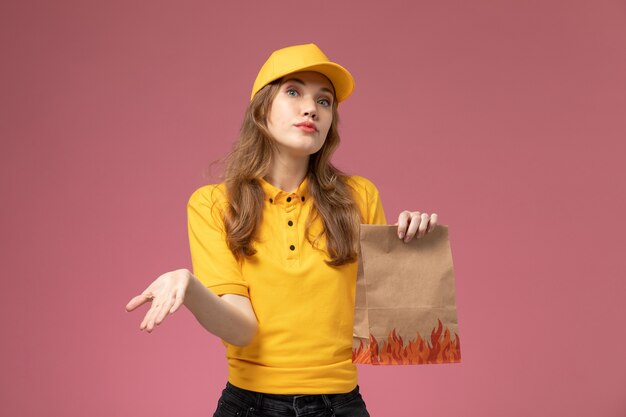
505	118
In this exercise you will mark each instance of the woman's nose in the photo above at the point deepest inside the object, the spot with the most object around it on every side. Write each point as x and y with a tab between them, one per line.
309	108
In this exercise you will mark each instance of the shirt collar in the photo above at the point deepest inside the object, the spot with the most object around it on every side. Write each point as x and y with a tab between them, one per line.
277	195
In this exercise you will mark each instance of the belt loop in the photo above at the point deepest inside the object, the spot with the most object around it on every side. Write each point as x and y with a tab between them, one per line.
329	405
258	399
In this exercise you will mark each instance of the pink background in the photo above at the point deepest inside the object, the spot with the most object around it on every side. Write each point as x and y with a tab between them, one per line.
507	118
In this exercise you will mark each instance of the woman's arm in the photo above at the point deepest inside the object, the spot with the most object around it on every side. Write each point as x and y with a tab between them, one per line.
229	317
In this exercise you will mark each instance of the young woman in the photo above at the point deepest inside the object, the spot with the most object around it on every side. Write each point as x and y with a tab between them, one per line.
274	249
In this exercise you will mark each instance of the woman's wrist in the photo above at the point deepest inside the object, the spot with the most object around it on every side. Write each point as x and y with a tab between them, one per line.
192	284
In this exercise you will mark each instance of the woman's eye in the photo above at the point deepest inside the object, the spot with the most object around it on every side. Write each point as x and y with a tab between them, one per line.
292	92
324	102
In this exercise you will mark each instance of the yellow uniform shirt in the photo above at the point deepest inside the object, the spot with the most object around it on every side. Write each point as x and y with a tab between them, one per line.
305	308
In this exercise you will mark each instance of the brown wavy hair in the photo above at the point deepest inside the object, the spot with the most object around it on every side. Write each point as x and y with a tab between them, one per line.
251	158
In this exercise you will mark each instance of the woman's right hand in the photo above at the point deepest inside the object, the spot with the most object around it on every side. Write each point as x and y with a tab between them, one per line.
167	294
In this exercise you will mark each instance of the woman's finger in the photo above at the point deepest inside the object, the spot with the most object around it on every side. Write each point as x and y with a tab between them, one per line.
136	302
403	222
144	322
413	225
421	230
178	301
146	318
139	300
158	305
162	303
432	223
148	321
165	309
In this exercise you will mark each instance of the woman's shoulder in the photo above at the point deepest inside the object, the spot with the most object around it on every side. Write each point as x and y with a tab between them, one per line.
361	185
367	199
209	193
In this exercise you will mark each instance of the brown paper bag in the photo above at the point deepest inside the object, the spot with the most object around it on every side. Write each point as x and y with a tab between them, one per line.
405	310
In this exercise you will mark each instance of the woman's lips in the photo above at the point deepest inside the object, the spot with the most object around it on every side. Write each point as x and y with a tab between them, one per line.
307	126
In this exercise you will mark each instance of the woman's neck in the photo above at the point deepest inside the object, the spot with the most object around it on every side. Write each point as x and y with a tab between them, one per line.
287	173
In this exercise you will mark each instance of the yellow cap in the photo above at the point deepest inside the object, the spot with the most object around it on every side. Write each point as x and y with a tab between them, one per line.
304	58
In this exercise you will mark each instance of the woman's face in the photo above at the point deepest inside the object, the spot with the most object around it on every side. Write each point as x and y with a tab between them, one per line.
301	113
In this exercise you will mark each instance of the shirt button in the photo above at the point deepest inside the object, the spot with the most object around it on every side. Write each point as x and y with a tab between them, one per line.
290	223
292	247
302	198
289	199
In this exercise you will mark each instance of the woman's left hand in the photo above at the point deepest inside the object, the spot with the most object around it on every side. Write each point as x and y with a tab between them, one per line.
412	223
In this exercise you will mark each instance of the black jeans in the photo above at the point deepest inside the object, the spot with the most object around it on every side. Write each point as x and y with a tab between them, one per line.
238	402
